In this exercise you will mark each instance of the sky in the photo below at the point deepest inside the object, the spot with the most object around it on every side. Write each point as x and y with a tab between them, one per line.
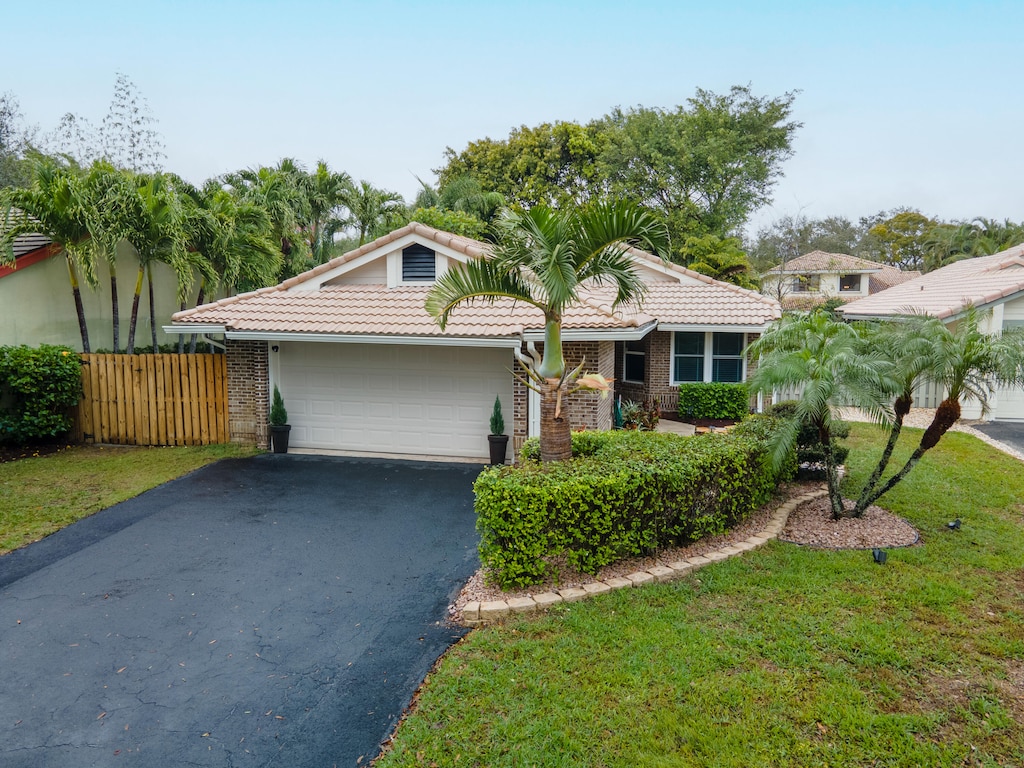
903	103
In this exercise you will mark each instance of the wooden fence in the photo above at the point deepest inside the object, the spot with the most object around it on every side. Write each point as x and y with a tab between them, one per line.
153	400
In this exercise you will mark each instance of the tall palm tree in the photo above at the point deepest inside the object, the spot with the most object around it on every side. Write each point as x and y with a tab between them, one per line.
370	207
543	257
967	362
54	205
276	191
835	367
325	191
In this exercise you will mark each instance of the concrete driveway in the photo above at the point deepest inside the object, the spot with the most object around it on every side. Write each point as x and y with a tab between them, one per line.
279	610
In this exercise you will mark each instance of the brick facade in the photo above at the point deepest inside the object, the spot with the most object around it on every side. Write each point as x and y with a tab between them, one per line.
248	391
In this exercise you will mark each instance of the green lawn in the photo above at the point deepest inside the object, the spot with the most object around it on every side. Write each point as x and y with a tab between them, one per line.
782	657
41	495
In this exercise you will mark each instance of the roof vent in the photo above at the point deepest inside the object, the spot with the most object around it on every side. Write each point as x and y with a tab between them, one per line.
418	264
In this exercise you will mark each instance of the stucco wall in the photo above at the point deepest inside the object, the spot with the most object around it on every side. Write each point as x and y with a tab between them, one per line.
37	305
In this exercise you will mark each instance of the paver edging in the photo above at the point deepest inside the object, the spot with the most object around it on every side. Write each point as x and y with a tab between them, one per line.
477	613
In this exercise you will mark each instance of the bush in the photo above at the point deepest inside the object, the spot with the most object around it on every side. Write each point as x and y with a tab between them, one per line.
38	388
808	443
623	494
641	416
278	413
714	401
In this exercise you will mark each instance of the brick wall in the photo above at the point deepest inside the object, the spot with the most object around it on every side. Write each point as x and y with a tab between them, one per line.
248	391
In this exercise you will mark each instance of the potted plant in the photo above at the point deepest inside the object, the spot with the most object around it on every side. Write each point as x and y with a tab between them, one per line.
279	427
497	440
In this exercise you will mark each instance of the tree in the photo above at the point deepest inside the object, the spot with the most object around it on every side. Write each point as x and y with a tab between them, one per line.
324	192
834	366
789	236
897	238
54	206
706	166
945	243
720	258
456	222
370	208
15	144
542	258
961	357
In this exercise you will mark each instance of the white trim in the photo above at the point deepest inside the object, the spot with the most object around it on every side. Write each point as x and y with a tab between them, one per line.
532	413
594	334
442	341
712	328
625	355
197	328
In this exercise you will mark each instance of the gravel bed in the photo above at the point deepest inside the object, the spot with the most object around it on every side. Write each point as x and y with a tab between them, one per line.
811	524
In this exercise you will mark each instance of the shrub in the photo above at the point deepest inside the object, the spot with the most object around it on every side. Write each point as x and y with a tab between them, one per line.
38	388
641	416
624	493
497	419
714	401
278	414
808	442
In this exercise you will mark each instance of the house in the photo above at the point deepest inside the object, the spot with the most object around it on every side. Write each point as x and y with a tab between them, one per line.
38	306
993	283
818	276
363	367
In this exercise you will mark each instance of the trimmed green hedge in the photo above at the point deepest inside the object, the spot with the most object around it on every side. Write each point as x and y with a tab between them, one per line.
714	401
38	387
623	494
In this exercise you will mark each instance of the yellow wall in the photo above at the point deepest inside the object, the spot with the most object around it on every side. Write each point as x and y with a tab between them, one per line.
37	306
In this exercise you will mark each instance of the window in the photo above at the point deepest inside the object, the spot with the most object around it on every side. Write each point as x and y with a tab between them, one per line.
849	283
727	361
418	264
688	357
804	283
634	361
695	352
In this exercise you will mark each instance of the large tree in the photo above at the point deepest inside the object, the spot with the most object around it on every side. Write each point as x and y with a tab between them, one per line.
371	209
790	236
543	258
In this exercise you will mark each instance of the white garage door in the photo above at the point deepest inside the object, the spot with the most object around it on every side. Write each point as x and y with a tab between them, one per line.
384	398
1009	404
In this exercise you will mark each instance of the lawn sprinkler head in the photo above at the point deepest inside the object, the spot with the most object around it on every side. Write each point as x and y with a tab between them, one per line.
880	556
954	525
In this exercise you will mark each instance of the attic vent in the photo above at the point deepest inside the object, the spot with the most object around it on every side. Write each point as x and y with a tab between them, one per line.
417	264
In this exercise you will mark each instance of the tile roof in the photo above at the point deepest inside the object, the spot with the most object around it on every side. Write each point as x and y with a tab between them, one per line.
948	291
348	309
25	244
822	262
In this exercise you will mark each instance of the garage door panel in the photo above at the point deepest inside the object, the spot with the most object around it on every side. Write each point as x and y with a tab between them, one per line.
393	398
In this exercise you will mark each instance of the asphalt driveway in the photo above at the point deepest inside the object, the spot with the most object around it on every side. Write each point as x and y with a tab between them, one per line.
278	610
1009	432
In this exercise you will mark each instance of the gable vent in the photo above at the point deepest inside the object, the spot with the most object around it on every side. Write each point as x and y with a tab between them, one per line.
418	264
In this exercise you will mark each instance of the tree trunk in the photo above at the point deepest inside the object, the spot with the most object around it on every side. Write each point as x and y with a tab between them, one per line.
115	311
83	328
181	336
945	417
133	322
835	496
199	301
903	404
555	432
152	311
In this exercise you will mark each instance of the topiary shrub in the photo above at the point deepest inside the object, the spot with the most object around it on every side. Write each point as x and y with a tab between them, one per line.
38	389
624	493
714	401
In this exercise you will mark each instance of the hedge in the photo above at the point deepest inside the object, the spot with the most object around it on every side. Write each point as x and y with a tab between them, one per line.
714	401
623	494
38	388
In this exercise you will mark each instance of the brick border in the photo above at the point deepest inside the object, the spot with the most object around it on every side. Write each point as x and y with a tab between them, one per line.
477	613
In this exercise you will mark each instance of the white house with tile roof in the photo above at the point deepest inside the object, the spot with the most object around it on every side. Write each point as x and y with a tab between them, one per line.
817	276
992	283
363	367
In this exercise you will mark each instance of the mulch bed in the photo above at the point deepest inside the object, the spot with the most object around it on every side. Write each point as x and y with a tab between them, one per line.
16	452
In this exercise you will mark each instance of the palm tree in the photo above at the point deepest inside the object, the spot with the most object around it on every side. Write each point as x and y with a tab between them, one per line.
834	366
370	207
544	257
325	192
966	361
54	206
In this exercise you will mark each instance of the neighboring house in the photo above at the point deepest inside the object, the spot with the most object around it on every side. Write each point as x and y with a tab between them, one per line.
363	367
815	277
993	283
38	308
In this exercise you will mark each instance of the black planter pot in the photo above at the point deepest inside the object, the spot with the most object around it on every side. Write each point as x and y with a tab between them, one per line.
499	446
279	437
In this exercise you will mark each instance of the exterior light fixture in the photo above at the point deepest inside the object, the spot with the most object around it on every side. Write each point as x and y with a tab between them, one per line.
880	555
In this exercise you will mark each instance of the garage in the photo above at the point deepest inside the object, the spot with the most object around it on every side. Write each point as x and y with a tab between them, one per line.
392	398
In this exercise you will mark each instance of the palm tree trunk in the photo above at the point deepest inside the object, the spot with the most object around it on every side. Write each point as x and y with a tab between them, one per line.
115	311
152	312
945	417
835	496
199	301
555	432
133	322
181	336
903	404
83	328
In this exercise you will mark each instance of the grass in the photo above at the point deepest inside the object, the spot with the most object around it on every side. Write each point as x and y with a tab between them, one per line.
785	656
40	495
